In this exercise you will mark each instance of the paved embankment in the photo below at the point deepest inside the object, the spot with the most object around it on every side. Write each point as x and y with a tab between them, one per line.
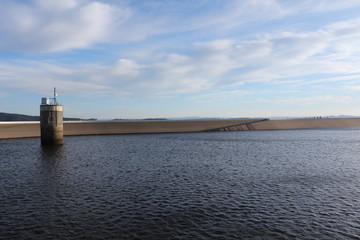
19	129
306	123
32	129
129	127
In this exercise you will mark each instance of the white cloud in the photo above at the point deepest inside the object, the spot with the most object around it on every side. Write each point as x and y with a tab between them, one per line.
308	100
213	48
353	88
217	96
227	15
126	68
207	66
51	25
55	5
201	66
320	5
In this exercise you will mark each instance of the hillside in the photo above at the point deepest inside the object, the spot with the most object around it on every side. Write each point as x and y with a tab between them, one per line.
13	117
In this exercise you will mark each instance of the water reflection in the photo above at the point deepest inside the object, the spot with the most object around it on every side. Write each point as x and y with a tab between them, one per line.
52	177
51	152
52	160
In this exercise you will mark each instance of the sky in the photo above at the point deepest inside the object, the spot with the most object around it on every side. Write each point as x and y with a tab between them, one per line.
181	58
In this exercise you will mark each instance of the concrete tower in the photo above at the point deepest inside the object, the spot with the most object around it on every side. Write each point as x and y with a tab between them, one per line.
51	121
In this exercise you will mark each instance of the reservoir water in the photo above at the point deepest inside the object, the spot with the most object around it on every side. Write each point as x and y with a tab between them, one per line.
299	184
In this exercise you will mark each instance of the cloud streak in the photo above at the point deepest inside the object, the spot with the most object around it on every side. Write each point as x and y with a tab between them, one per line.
50	26
205	51
211	65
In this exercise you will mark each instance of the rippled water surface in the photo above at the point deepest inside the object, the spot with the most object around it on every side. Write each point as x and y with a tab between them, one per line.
300	184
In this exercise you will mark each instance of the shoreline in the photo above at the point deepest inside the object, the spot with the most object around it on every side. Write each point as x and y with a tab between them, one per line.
9	130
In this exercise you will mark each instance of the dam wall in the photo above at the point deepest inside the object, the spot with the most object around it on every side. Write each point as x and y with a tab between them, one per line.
133	127
285	124
19	129
32	129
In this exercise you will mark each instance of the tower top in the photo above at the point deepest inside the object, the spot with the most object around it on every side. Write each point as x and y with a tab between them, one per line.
54	99
50	101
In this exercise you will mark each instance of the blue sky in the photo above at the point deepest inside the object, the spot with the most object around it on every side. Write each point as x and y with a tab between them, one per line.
172	58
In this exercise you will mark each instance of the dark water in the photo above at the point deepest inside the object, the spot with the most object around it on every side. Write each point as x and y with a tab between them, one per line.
301	184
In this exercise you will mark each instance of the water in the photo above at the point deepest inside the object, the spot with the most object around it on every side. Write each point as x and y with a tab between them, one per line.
300	184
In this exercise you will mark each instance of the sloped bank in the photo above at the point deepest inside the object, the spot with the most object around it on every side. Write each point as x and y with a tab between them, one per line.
287	124
306	123
32	129
138	127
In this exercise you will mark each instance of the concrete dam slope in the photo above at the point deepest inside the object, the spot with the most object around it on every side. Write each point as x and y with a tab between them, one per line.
132	127
306	123
32	129
19	129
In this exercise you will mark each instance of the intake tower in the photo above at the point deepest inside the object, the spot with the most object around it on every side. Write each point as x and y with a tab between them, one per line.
51	121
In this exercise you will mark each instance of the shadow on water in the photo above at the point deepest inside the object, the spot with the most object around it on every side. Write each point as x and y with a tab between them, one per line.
53	160
53	169
51	152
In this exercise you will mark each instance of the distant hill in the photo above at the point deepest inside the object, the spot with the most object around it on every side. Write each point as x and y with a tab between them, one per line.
13	117
17	117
